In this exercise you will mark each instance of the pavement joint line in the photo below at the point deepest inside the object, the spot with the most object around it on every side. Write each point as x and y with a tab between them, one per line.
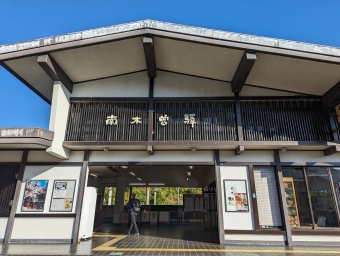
103	248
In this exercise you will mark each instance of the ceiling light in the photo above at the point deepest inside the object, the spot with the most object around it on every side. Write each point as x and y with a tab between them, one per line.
106	149
156	184
132	173
187	179
189	173
190	167
93	174
139	179
137	184
124	167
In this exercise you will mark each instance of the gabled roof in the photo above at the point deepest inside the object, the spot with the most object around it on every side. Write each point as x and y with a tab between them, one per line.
115	50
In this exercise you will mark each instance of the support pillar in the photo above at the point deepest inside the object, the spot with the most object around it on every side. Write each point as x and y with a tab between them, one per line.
10	222
58	120
219	196
282	199
81	190
119	204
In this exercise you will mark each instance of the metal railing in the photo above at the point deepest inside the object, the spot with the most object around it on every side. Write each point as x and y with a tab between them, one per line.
186	217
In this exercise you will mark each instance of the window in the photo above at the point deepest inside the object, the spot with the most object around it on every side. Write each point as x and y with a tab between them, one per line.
109	196
312	196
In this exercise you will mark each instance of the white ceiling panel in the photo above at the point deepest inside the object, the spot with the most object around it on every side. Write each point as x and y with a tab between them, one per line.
293	74
196	59
30	71
102	60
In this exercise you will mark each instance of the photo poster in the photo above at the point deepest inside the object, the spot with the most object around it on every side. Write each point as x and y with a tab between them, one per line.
34	196
236	197
62	196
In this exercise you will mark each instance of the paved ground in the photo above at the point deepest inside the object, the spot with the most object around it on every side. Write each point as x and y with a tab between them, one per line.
171	240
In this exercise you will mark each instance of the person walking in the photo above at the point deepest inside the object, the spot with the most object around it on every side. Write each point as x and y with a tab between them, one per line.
134	208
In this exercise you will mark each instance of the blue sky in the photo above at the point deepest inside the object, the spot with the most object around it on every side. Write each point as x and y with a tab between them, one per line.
310	21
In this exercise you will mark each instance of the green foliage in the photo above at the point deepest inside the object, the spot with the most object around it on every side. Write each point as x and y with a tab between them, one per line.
164	196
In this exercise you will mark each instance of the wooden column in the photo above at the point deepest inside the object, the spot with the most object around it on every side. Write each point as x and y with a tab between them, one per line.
238	117
254	200
11	218
151	110
282	199
81	190
219	195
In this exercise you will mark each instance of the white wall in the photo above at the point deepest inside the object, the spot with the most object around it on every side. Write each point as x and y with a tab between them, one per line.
315	238
10	156
50	173
58	120
308	156
3	226
46	227
247	156
42	228
249	237
132	85
236	220
41	156
175	85
159	156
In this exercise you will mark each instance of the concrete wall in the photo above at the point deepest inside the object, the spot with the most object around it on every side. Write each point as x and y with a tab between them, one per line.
132	85
11	156
159	156
175	85
247	156
41	156
46	227
236	220
301	157
3	226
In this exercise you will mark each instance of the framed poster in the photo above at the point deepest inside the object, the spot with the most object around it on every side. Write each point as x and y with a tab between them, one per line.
34	196
62	195
236	196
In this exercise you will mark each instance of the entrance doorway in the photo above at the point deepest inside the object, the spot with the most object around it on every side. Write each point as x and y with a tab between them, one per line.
179	201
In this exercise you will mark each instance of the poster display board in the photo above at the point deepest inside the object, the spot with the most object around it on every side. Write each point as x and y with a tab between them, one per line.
62	195
236	196
34	196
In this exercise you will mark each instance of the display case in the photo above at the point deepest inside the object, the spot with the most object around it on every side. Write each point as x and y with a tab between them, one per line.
293	211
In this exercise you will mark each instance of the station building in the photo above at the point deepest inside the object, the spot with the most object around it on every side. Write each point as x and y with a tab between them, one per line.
253	118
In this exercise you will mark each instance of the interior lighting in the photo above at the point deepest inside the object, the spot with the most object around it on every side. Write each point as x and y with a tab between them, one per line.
189	173
137	184
139	179
93	174
190	167
187	179
124	167
132	173
156	184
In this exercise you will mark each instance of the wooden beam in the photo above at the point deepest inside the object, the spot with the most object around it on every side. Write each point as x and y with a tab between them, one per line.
282	199
150	150
54	71
239	150
332	150
332	96
238	117
150	59
80	198
151	110
10	224
242	72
